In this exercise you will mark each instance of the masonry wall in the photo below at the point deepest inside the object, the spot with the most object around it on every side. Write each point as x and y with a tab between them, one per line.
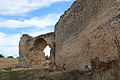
88	29
31	50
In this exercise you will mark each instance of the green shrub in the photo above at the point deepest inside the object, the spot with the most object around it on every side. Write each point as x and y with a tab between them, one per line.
10	57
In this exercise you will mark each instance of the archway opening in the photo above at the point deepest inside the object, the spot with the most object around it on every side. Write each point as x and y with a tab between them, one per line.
47	51
41	44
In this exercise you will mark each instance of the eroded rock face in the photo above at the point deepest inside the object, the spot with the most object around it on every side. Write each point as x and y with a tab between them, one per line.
88	29
31	49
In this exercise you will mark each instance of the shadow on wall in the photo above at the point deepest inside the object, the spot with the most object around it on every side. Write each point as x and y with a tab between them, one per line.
40	43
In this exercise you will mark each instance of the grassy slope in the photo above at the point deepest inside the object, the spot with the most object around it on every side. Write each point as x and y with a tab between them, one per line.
29	74
111	73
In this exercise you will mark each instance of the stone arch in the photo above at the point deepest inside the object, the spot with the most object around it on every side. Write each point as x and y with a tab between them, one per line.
40	44
31	50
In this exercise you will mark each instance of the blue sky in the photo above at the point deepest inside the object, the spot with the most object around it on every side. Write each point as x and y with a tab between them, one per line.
34	17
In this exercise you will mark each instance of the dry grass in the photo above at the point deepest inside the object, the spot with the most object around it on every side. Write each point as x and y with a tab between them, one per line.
8	62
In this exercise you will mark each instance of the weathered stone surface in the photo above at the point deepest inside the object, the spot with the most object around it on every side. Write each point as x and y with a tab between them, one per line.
88	29
31	49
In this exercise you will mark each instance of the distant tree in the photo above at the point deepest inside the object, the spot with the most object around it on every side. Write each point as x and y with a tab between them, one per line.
10	57
17	57
1	56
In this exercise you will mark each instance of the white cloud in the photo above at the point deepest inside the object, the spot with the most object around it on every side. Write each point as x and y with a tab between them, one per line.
39	32
18	7
39	22
9	44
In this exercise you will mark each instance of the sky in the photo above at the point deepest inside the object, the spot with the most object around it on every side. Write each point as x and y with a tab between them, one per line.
33	17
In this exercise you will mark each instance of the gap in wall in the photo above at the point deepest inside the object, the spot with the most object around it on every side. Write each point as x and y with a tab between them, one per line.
47	51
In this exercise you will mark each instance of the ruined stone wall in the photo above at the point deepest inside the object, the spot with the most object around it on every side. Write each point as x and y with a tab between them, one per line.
31	49
50	39
89	29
